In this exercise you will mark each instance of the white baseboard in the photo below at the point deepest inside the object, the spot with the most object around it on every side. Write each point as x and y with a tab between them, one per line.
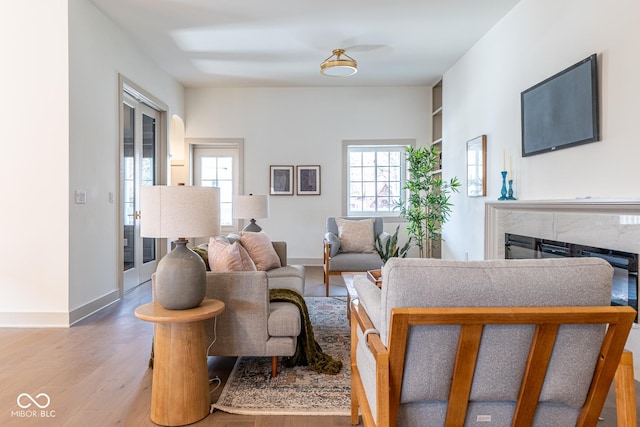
55	319
34	320
94	306
305	261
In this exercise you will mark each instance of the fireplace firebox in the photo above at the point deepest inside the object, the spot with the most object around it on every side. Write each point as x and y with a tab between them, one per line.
624	289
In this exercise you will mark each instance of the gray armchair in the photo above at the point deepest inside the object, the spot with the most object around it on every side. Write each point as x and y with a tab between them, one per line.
501	342
337	261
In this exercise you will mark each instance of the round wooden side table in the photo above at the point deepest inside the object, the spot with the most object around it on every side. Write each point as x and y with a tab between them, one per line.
180	389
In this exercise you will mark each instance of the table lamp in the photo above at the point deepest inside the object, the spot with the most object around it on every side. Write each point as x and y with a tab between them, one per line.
180	211
251	207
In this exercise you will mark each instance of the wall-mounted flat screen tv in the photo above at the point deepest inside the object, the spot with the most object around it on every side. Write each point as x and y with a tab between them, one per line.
563	110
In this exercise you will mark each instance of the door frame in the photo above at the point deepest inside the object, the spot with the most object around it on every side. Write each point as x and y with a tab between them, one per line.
234	144
144	97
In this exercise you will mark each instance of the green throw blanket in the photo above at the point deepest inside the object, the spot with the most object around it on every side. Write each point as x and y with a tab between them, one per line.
308	351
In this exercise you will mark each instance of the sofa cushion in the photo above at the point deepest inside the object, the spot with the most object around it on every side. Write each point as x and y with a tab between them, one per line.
284	320
260	250
287	277
356	235
228	257
355	262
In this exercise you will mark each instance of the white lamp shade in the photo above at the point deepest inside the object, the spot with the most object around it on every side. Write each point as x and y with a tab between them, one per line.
251	207
180	211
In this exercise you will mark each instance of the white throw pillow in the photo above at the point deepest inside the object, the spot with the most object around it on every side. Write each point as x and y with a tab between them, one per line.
356	235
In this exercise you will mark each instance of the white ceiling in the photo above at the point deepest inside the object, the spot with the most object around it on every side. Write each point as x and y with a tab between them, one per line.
267	43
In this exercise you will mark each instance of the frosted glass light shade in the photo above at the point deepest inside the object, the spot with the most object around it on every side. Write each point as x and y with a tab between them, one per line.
180	211
337	66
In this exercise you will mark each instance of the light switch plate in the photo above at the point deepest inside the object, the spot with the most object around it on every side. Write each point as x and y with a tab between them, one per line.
81	197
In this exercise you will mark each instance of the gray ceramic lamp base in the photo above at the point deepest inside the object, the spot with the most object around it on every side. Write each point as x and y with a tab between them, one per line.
252	226
181	279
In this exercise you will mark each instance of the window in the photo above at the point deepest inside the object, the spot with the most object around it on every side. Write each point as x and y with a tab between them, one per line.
218	164
374	178
218	172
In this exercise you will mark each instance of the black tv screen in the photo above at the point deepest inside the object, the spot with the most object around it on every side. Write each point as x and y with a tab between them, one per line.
562	111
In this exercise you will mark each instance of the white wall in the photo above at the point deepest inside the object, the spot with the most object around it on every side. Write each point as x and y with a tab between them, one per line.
535	40
99	52
482	96
305	126
34	117
60	131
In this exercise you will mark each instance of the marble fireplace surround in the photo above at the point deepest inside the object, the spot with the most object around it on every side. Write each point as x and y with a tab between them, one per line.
605	223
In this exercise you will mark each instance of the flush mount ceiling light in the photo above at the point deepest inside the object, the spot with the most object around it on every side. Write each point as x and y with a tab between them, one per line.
336	66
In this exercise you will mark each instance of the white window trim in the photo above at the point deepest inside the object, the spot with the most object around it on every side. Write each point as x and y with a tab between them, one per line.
393	216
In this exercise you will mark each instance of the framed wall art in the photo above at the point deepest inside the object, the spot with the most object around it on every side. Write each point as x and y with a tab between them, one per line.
281	180
477	166
308	179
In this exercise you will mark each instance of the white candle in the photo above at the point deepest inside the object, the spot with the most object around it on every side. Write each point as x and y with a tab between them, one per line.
504	159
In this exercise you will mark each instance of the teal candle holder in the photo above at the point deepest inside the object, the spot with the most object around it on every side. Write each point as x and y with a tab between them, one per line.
503	192
510	192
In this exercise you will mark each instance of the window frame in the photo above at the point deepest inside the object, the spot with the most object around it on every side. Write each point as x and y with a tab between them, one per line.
375	145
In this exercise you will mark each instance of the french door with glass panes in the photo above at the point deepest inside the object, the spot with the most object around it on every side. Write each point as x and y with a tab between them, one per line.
139	168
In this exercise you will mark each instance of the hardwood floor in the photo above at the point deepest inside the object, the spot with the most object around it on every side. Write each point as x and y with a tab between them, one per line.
96	373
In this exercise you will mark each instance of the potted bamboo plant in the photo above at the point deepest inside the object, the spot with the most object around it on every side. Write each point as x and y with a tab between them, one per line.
428	204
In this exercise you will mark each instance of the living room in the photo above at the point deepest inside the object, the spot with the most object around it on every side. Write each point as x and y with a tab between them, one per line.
74	144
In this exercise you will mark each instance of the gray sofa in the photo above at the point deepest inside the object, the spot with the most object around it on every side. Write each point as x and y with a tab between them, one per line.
250	324
337	261
420	371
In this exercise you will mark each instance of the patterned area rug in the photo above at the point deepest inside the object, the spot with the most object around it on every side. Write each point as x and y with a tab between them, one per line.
250	390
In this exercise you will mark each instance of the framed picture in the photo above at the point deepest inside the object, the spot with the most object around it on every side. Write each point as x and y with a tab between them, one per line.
308	180
281	180
477	166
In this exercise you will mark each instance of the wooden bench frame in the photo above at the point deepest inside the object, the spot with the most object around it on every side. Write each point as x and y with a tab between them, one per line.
547	320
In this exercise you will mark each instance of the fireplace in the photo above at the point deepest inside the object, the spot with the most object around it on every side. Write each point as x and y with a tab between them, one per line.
624	289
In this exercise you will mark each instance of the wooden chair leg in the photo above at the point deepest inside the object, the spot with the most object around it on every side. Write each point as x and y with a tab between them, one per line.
326	283
274	366
625	392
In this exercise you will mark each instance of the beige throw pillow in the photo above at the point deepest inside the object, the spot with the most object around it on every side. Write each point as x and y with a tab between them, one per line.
356	235
224	256
260	250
